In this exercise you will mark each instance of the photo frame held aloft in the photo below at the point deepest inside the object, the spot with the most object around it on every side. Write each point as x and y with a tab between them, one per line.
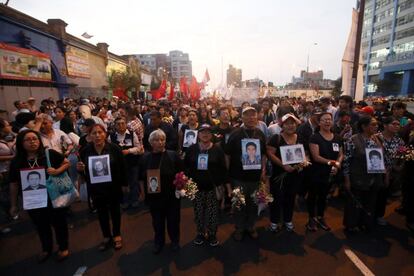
292	154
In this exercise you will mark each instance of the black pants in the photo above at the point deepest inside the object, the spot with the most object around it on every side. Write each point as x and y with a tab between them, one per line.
170	214
316	201
46	218
381	202
408	199
107	206
360	208
284	200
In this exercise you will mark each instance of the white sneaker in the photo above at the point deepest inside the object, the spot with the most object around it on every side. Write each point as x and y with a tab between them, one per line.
274	227
289	226
381	221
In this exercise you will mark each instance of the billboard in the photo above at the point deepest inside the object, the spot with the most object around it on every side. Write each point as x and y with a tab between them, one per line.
24	64
77	62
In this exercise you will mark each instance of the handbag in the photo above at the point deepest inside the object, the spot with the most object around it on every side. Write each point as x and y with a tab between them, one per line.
62	192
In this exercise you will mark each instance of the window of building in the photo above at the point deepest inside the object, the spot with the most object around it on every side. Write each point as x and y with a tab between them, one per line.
382	28
381	40
382	3
405	19
174	68
384	15
404	47
379	53
404	5
404	33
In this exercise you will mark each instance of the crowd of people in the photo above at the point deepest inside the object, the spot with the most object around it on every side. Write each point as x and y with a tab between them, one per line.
123	152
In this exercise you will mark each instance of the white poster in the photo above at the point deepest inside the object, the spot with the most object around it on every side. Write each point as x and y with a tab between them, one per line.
34	188
99	169
240	95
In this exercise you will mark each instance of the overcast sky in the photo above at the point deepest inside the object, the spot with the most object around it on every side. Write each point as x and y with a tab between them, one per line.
265	38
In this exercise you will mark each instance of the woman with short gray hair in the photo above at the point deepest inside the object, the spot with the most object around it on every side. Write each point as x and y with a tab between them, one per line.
158	170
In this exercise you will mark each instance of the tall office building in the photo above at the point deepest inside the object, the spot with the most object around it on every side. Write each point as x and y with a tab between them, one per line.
180	65
388	45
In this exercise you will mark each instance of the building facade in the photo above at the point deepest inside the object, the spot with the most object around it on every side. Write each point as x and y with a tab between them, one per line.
42	60
234	76
387	44
176	64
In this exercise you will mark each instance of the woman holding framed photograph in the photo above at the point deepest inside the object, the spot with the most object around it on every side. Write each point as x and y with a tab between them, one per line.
361	182
28	170
103	166
326	154
286	177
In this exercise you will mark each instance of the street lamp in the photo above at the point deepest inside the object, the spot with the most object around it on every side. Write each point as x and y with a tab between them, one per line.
307	64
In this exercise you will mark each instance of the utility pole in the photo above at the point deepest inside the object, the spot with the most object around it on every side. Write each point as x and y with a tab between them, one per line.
357	47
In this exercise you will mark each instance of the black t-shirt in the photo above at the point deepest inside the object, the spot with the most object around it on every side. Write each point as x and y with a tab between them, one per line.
216	173
16	165
221	135
327	149
169	164
277	141
234	150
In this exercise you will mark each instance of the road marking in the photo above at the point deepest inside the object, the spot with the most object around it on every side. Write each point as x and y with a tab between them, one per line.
358	263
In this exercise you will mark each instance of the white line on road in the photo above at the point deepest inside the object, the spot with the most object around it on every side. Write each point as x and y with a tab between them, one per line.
358	263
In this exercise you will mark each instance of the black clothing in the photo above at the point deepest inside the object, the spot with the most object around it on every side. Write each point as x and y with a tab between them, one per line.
215	175
131	159
108	207
118	171
320	172
171	134
45	218
16	165
220	135
106	196
169	164
164	206
234	150
305	131
269	117
168	214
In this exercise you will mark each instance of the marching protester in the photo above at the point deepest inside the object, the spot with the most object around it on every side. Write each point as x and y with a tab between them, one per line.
187	135
206	165
158	169
246	160
326	153
28	174
103	166
285	179
132	148
391	143
364	173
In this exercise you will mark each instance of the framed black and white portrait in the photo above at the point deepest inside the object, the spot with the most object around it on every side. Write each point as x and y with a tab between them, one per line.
375	160
34	190
292	154
190	137
99	169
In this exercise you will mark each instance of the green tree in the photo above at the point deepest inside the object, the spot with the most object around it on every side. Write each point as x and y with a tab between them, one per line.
337	90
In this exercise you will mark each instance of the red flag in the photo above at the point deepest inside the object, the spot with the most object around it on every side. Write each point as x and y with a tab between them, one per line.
194	89
171	96
184	86
160	92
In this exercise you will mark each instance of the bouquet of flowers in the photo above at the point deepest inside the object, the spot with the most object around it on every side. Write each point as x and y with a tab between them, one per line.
405	153
237	199
262	198
184	186
168	120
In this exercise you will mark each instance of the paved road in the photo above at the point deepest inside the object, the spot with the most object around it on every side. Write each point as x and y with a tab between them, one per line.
387	251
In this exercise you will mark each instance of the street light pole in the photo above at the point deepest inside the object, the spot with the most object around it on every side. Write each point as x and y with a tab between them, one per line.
307	64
